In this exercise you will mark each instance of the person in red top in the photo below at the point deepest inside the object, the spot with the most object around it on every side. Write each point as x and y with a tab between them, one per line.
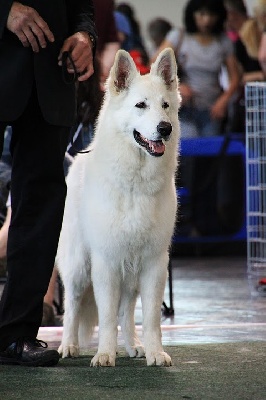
130	38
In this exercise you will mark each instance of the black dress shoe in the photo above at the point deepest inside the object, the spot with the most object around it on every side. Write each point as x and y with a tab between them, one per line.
29	352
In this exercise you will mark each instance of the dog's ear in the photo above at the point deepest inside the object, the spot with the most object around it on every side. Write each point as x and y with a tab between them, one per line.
165	67
123	71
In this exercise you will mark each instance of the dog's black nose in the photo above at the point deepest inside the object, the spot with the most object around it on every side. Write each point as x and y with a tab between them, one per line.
165	129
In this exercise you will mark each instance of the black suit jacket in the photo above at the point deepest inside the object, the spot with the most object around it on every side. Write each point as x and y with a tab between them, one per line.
20	66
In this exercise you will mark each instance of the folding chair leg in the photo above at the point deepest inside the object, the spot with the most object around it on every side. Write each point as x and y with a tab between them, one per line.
169	310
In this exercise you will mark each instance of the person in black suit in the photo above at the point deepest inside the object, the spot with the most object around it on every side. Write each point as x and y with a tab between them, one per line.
40	106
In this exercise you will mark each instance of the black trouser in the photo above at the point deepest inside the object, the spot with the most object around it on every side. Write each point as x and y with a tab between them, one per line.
37	198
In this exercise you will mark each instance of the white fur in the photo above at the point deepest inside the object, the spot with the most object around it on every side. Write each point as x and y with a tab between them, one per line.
119	217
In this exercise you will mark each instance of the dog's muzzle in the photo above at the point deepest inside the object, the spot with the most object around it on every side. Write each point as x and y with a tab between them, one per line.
155	148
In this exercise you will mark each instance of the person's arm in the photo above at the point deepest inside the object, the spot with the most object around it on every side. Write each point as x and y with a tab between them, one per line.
173	40
253	76
81	44
5	6
219	108
262	52
166	43
81	18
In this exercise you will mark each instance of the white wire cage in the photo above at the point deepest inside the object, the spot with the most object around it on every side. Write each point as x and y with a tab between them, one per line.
255	102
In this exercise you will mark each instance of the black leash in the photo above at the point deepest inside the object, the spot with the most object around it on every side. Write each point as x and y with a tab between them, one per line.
70	79
67	77
74	138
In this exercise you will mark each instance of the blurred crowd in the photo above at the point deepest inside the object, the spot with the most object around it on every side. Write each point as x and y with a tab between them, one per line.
219	48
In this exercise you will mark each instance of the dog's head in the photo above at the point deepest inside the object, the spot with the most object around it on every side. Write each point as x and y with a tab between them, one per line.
147	105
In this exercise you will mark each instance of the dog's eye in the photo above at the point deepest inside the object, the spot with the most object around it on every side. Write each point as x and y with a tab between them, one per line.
141	104
165	105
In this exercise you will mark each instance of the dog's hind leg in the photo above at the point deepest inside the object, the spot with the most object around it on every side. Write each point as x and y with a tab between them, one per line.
106	286
152	285
88	317
75	290
133	344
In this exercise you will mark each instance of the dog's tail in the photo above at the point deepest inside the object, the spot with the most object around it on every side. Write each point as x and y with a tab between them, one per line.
88	318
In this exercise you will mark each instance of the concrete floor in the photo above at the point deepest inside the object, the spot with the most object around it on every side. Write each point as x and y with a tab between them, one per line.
213	303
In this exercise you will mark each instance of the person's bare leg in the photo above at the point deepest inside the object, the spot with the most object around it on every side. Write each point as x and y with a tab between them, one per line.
4	234
48	318
50	294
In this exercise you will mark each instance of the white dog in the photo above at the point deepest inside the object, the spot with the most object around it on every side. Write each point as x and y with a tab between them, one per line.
120	215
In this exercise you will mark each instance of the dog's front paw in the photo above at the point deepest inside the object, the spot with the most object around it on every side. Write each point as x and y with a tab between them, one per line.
136	351
103	360
68	350
160	359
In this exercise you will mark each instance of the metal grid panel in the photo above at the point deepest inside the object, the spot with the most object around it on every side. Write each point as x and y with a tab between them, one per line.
256	177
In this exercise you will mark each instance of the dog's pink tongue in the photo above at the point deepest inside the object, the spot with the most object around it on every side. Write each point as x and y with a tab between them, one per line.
156	146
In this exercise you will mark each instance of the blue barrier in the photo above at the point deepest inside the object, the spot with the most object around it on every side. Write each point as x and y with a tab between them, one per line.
206	147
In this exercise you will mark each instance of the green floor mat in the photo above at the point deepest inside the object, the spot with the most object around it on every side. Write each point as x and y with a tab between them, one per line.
227	371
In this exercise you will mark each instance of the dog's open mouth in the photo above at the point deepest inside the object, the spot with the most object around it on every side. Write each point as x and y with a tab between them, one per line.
155	148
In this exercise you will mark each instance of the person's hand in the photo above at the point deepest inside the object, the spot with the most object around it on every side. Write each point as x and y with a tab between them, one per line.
79	46
186	93
28	26
219	108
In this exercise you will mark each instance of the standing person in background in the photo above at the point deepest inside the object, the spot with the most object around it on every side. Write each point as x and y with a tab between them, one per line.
236	16
135	39
40	106
250	35
132	41
108	42
123	30
249	31
201	50
157	31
